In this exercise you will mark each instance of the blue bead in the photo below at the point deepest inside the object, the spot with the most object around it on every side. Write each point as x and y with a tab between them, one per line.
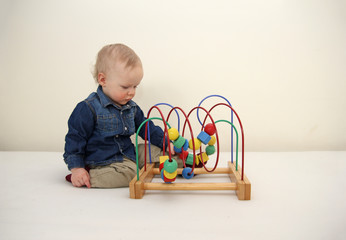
162	175
177	150
186	145
204	137
187	173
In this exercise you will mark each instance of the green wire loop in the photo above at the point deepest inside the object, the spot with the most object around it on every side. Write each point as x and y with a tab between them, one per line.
137	133
236	163
157	118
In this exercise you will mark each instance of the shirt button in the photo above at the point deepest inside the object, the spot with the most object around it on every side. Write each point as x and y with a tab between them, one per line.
116	136
125	128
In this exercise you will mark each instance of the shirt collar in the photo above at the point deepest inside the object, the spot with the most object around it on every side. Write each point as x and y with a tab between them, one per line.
106	101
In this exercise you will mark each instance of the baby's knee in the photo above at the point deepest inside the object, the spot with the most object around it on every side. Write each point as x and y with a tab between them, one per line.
113	176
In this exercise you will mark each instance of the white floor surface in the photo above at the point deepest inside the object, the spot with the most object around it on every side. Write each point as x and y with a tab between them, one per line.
299	195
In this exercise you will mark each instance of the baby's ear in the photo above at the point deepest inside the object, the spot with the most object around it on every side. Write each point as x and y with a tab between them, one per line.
101	79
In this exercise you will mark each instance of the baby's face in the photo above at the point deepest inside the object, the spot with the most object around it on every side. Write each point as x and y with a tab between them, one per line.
120	83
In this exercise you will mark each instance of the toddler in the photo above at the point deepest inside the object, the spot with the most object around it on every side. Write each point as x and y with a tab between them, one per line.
98	148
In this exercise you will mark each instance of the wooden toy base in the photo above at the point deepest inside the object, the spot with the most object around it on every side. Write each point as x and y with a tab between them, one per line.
242	187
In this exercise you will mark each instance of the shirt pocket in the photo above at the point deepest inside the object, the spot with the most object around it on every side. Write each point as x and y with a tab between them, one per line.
129	119
107	123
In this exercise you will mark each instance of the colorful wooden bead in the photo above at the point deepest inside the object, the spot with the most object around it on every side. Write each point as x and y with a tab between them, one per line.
210	149
177	150
197	160
186	145
187	173
170	175
183	155
203	156
173	134
170	166
161	166
197	144
212	140
179	142
189	159
204	137
210	129
166	180
163	158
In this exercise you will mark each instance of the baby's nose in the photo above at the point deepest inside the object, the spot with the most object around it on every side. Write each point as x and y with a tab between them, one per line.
132	91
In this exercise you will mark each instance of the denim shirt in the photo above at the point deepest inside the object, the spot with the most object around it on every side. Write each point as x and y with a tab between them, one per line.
99	132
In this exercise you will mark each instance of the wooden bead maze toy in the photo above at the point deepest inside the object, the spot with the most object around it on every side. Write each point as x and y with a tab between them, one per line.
193	162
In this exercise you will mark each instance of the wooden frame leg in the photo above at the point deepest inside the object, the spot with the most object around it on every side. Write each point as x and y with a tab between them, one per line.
243	186
137	187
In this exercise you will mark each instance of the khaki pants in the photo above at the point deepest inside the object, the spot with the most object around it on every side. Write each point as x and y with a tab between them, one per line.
120	174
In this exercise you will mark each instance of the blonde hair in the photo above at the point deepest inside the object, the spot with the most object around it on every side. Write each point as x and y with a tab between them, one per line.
114	53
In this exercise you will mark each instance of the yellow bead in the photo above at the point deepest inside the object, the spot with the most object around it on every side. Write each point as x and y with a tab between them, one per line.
163	158
170	175
204	156
212	140
197	143
173	134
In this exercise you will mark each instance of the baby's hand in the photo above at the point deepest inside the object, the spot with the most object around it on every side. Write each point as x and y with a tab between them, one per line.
80	177
171	146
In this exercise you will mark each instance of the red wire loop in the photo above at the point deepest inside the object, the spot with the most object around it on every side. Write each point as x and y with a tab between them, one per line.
242	135
187	121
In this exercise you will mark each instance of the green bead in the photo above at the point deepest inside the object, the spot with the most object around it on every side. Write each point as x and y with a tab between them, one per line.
170	166
189	159
210	150
179	143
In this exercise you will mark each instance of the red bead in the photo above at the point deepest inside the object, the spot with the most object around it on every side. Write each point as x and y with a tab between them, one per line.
166	180
183	155
210	129
161	166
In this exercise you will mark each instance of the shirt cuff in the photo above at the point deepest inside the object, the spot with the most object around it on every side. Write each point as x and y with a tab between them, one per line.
167	142
75	161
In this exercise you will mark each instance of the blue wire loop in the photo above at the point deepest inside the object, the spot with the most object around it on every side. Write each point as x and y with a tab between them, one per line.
231	118
219	96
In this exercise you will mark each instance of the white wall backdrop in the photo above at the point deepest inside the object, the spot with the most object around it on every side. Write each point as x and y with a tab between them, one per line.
282	64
